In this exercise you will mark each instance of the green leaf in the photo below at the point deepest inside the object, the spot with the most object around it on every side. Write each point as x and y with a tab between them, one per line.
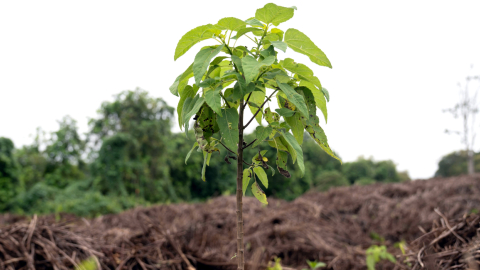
206	159
257	98
280	45
238	62
285	112
298	149
270	51
318	96
261	133
188	91
254	22
213	99
258	193
300	43
244	31
274	14
231	23
202	61
191	38
296	124
270	116
312	125
261	175
294	97
228	124
251	66
271	169
208	122
174	87
282	158
247	175
190	152
195	105
301	70
370	263
325	92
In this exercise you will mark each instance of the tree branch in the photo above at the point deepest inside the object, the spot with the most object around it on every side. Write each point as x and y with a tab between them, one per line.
226	147
247	163
259	109
249	144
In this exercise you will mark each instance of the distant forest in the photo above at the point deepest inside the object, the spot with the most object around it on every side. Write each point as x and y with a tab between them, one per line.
131	157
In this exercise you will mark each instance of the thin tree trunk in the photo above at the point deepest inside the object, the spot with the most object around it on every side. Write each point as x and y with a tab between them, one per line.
471	165
240	249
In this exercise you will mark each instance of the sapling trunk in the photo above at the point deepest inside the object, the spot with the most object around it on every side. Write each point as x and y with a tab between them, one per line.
240	250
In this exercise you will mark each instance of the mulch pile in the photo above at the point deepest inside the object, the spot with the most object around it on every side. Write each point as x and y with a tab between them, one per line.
436	218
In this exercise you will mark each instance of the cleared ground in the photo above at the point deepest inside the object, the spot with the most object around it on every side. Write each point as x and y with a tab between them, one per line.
436	218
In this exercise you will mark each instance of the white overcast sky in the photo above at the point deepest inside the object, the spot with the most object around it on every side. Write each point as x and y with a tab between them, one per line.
396	65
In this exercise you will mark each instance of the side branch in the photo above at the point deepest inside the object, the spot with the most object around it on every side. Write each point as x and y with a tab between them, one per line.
259	109
249	144
226	147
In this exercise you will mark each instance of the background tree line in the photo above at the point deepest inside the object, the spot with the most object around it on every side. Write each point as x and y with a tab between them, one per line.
130	157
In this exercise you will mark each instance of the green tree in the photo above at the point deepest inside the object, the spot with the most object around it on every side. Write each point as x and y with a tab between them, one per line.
8	172
218	109
64	154
133	133
455	163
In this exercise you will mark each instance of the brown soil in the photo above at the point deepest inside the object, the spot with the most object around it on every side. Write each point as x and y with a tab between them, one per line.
432	217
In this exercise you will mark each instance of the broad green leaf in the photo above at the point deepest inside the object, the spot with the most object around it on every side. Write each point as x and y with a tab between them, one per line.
312	125
208	122
208	83
243	31
282	158
278	144
228	124
238	62
188	91
270	116
294	97
202	61
289	147
231	23
298	149
213	99
285	112
251	66
195	105
247	175
174	87
296	124
261	133
190	152
280	45
270	51
254	22
261	175
301	70
278	32
325	92
274	14
300	43
216	61
258	193
318	96
187	107
257	98
271	37
191	38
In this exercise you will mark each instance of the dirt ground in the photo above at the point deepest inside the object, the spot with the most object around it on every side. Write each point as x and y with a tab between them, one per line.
436	218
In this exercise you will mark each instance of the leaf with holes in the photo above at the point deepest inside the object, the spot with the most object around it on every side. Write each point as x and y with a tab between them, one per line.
228	124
